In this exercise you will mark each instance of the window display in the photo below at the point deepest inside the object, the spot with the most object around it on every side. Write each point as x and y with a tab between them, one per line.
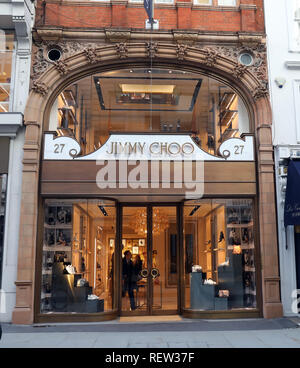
77	256
149	100
219	255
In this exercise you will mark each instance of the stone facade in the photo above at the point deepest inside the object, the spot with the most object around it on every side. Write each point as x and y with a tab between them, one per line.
85	51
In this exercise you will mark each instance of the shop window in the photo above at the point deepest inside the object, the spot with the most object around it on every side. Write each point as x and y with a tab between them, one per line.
149	100
78	256
297	23
219	255
6	53
216	2
227	2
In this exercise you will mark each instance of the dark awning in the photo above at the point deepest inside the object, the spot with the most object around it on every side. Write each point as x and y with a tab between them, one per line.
292	199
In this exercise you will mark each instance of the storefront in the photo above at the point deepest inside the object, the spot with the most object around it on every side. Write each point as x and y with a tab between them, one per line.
147	198
4	154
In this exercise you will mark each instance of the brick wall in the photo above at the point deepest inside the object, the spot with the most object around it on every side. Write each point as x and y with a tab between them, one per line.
247	16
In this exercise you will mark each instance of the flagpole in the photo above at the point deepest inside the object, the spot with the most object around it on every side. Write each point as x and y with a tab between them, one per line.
152	20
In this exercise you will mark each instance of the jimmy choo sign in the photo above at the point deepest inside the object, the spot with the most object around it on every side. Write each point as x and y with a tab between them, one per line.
163	147
155	148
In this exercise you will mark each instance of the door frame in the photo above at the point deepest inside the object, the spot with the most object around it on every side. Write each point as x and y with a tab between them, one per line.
149	208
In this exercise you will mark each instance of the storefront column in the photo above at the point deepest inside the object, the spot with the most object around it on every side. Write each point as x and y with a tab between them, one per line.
24	312
272	307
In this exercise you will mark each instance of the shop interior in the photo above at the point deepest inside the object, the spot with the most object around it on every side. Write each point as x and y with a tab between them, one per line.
161	269
219	255
149	100
78	248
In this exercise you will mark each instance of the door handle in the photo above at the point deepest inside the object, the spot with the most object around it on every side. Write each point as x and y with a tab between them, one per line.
155	273
144	273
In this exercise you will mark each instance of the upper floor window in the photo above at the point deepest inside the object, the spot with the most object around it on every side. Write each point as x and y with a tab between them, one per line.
216	2
6	53
197	2
149	100
297	23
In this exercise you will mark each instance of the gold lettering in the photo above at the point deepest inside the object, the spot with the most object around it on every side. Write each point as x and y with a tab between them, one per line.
163	147
174	144
141	147
187	144
152	145
122	147
111	149
132	148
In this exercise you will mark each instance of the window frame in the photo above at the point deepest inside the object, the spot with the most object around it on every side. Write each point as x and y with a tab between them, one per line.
290	7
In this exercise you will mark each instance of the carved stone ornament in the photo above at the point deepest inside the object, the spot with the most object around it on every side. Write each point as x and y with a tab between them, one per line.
40	60
117	36
62	67
152	48
39	87
181	51
239	70
260	92
186	37
259	53
91	55
122	50
211	56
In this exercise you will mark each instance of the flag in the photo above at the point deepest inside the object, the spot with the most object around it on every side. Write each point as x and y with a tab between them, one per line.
148	5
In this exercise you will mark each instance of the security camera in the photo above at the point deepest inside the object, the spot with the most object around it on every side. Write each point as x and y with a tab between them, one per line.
280	82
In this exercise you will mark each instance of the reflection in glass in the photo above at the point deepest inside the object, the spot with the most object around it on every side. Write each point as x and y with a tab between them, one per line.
6	54
135	270
78	256
164	258
145	100
219	255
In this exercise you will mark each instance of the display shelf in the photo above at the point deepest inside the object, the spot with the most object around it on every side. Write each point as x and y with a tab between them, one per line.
57	226
243	246
249	269
247	224
45	295
46	272
57	248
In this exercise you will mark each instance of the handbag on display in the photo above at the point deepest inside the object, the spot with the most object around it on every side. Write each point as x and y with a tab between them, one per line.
81	282
223	293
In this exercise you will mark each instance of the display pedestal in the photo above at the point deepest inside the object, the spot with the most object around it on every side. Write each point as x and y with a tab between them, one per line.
221	303
202	296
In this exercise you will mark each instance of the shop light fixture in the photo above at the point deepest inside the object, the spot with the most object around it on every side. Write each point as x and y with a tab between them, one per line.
147	88
196	208
102	209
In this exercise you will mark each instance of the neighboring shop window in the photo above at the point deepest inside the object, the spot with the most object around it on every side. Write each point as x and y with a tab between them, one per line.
6	54
78	256
219	255
149	100
227	2
3	183
216	2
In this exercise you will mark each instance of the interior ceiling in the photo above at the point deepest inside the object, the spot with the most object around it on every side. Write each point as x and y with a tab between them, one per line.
114	120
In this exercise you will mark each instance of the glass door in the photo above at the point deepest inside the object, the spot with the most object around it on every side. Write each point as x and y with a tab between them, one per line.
149	265
165	270
135	264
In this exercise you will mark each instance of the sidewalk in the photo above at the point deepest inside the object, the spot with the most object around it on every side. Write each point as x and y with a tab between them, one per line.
163	332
